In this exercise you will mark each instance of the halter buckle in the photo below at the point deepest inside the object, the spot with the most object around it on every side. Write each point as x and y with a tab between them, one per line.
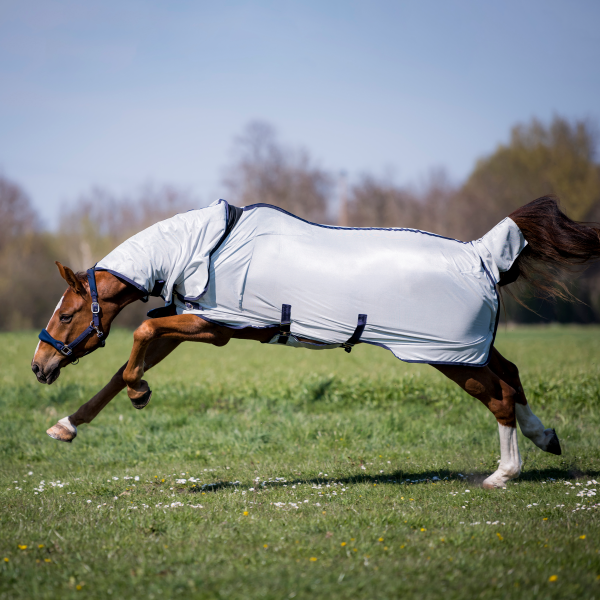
95	308
66	350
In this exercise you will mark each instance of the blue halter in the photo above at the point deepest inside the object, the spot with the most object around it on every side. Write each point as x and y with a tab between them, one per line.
94	326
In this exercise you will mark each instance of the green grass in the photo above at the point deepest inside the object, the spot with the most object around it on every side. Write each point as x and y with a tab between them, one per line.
375	430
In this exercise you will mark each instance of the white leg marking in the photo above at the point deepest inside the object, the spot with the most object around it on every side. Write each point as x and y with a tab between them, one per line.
532	427
510	459
67	423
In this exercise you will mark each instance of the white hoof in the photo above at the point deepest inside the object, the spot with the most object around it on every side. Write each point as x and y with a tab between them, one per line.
498	480
64	431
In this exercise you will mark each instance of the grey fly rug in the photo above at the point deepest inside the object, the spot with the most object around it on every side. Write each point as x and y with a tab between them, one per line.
425	297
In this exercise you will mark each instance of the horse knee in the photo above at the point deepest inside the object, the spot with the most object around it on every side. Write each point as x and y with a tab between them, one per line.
144	332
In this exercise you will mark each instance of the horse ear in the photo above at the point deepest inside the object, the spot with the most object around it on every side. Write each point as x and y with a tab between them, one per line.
68	275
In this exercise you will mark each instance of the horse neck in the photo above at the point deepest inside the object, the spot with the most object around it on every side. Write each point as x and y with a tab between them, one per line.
114	294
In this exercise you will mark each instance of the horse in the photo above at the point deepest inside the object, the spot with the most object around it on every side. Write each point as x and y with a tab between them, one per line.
535	244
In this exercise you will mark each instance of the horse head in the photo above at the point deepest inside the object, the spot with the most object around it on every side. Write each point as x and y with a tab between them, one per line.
80	322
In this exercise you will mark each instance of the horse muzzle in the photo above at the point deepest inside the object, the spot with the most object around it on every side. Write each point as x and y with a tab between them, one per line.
47	376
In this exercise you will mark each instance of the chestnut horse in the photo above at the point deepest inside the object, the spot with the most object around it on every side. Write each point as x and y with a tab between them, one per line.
554	243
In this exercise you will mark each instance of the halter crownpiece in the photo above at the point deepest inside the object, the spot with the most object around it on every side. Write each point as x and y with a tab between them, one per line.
94	326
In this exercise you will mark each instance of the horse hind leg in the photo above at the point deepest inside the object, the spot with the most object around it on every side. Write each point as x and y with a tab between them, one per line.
499	397
531	426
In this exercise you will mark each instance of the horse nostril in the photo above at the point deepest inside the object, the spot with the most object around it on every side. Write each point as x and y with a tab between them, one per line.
35	368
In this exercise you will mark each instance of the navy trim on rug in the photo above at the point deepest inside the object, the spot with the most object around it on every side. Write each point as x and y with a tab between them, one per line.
121	276
262	205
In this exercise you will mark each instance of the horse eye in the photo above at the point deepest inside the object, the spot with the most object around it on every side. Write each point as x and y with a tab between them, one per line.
65	318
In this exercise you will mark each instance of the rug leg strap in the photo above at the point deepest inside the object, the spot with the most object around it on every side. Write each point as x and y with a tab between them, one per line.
362	321
284	325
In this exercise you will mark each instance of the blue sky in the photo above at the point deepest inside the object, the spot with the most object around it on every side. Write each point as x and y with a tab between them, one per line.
123	93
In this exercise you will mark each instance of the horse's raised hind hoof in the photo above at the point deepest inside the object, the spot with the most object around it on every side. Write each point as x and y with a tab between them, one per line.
553	445
143	401
64	431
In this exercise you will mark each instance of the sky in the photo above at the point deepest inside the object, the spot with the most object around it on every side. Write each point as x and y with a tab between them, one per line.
123	93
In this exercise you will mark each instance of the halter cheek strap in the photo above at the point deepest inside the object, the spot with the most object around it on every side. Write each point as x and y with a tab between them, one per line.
94	326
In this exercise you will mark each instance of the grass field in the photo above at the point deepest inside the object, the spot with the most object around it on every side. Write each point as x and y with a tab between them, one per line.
307	474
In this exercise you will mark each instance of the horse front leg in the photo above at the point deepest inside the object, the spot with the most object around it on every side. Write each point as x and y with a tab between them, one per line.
531	426
499	397
178	328
66	429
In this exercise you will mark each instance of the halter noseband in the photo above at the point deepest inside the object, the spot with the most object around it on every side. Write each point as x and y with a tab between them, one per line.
94	326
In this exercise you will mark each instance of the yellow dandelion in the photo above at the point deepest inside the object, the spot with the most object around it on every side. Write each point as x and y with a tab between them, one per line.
313	559
47	560
78	586
324	512
581	537
204	493
385	547
401	546
265	545
423	529
499	537
40	545
156	477
380	540
22	547
162	480
545	519
354	550
6	559
245	513
343	544
374	484
553	578
352	539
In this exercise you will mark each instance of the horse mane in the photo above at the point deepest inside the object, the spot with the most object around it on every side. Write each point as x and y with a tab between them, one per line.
83	279
556	246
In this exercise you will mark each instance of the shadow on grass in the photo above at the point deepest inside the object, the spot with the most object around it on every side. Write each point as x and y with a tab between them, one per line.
408	478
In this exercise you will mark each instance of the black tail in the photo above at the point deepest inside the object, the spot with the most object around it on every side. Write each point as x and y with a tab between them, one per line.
555	245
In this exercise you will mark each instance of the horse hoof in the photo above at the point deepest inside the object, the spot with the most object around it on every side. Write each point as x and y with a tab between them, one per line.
553	446
62	433
143	401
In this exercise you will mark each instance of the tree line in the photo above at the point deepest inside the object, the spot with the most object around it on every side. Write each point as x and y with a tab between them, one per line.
558	158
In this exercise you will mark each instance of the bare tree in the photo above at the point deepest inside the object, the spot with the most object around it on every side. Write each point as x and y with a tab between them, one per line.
379	202
265	171
17	217
99	220
27	291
